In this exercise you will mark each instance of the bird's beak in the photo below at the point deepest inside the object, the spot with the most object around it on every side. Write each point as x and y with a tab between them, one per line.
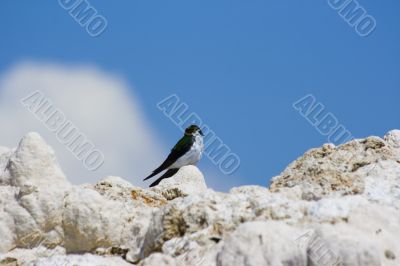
201	132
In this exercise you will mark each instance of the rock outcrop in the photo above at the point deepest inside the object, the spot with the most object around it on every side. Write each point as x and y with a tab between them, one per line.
332	206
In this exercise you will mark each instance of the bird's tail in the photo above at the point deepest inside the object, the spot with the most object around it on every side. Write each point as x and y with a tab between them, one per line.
150	176
167	174
156	172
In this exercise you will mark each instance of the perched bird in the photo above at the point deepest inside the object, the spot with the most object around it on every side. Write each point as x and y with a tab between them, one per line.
187	151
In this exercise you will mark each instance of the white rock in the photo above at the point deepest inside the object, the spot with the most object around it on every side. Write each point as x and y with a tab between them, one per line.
25	257
5	177
81	260
32	208
94	221
187	181
5	153
382	183
335	171
348	197
10	211
159	260
393	139
342	244
262	243
34	164
91	221
118	189
331	210
200	257
116	181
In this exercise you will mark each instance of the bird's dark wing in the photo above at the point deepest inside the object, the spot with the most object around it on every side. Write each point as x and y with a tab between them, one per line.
167	174
180	148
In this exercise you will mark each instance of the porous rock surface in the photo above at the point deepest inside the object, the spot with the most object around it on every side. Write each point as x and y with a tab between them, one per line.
332	206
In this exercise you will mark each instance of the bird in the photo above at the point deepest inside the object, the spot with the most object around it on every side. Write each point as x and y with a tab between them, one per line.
187	151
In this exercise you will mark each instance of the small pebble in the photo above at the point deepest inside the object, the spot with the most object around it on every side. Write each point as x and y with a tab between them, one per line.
390	255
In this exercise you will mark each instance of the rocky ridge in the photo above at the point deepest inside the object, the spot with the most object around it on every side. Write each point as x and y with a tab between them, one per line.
332	206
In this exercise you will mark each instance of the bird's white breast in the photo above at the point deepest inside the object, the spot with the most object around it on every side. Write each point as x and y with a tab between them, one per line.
193	155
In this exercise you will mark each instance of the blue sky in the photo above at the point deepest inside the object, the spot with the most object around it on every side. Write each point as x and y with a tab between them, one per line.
240	65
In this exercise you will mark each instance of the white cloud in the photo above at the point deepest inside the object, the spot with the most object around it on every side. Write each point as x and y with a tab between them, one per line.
98	103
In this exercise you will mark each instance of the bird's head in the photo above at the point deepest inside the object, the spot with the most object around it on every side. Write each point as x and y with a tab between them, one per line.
193	130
